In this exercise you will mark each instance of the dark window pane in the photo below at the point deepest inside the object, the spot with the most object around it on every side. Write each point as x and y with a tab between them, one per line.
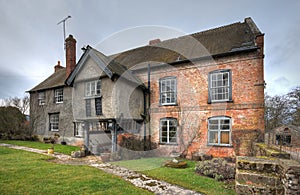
98	106
88	107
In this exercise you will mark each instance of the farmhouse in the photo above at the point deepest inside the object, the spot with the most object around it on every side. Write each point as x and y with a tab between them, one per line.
201	93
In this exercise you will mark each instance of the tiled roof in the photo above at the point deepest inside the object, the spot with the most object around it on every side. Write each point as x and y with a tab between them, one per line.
57	79
223	40
234	37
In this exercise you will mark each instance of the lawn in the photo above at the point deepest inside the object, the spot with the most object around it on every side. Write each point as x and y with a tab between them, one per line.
64	149
181	177
24	172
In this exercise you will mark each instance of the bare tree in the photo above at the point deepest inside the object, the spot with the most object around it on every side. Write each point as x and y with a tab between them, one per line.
189	129
21	103
294	105
284	109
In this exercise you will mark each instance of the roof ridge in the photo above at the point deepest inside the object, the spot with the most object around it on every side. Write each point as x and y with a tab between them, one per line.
215	29
194	34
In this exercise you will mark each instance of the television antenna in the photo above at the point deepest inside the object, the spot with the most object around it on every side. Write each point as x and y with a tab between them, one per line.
64	29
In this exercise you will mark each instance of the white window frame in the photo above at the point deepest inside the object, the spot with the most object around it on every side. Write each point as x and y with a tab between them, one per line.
93	88
220	86
54	122
59	95
168	126
42	98
215	126
168	91
78	129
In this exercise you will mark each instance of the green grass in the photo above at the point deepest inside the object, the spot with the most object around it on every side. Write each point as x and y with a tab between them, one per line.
182	177
64	149
141	164
24	172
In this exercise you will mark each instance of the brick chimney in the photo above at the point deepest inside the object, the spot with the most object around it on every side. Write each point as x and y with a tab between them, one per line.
70	55
57	67
155	41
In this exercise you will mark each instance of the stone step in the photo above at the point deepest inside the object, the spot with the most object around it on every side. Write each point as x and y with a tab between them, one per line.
245	189
262	165
267	179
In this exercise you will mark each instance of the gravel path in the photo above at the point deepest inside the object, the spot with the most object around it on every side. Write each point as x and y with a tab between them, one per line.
137	179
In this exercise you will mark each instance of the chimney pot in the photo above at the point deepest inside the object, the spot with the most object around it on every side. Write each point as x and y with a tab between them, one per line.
58	66
154	41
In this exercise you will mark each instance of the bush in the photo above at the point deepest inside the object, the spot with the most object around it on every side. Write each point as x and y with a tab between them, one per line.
216	168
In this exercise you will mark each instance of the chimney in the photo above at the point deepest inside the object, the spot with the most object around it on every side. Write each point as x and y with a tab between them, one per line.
155	41
57	67
70	55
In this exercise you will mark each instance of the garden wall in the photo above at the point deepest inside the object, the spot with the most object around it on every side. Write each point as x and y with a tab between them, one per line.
267	175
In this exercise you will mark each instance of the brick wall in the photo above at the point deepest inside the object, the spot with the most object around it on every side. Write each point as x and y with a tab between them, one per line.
193	110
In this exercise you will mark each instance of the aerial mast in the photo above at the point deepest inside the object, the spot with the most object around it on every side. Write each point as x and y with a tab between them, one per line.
64	29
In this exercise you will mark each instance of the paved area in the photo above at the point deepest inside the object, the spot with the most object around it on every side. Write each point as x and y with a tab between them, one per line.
137	179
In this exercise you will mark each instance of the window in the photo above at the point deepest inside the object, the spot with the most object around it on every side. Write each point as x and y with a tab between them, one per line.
78	130
88	111
59	95
98	106
92	88
220	86
97	126
42	98
168	131
53	122
219	131
168	90
282	139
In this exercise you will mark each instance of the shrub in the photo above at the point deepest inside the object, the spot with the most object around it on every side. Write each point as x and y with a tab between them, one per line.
216	168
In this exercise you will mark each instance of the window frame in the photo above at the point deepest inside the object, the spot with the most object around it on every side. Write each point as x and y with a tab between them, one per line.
59	97
92	88
88	108
168	141
98	106
54	122
42	98
171	93
219	130
78	129
211	88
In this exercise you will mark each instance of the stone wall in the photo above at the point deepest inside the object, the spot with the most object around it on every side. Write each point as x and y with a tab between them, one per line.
265	175
289	171
39	115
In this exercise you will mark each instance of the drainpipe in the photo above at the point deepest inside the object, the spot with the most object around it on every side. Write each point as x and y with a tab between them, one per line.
145	119
149	104
147	116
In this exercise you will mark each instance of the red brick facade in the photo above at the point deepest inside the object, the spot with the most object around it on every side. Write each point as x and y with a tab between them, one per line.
192	110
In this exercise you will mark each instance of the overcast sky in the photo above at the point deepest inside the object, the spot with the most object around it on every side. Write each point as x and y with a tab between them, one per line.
31	42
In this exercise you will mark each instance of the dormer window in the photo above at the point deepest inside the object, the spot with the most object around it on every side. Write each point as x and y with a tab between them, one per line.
93	88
